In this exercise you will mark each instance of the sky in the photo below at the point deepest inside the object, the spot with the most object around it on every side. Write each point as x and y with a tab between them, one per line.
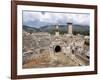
38	19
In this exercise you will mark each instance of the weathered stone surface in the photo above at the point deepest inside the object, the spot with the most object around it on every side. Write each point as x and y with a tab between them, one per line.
39	50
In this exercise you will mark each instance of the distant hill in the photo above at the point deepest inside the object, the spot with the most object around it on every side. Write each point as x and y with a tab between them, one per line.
53	27
80	28
30	29
62	28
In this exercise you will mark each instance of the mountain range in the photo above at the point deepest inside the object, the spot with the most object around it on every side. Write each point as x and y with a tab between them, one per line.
51	28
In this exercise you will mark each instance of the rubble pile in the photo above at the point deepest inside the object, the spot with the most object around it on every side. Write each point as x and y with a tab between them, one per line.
39	50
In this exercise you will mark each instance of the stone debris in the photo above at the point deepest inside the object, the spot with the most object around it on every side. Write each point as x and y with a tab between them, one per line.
39	50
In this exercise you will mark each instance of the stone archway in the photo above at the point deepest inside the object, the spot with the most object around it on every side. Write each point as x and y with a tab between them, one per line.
57	48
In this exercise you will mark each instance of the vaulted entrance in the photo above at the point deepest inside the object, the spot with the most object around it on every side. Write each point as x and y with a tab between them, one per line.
57	48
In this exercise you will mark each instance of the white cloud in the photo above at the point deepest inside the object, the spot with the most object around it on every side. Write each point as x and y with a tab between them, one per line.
54	18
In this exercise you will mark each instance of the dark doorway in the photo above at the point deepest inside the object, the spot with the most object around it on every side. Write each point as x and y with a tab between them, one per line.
57	48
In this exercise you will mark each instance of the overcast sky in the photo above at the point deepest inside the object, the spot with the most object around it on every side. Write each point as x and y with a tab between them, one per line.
37	19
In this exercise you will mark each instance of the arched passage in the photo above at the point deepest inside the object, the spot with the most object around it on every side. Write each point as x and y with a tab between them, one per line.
57	48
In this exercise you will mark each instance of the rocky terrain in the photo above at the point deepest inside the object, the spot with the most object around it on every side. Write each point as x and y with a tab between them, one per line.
41	49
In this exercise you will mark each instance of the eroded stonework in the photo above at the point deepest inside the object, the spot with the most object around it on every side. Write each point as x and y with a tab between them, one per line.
39	50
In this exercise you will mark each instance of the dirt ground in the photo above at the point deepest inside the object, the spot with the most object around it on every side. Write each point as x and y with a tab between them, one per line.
52	60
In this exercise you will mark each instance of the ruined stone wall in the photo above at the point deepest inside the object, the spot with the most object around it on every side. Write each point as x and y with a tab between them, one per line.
36	44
